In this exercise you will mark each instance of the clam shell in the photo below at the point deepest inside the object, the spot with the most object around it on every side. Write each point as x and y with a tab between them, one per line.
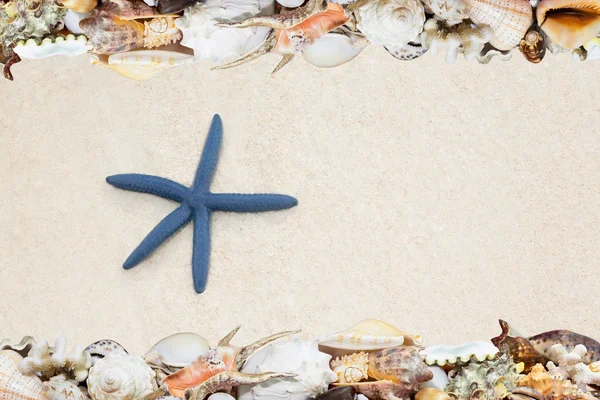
569	23
509	19
13	384
447	355
518	347
332	50
367	335
69	45
544	341
143	64
22	347
177	350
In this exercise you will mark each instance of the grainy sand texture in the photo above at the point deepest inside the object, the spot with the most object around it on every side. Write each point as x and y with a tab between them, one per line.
435	197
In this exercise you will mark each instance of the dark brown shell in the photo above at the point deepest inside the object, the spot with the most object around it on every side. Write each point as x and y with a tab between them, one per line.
543	341
518	348
533	45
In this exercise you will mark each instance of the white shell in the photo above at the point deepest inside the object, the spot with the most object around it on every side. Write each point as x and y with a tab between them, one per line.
62	389
60	46
120	376
221	396
441	354
301	357
391	22
177	350
593	49
440	378
220	44
509	19
331	50
13	384
290	3
71	20
448	10
143	64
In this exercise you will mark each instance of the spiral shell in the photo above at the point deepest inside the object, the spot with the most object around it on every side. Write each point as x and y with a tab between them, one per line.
13	384
391	22
120	376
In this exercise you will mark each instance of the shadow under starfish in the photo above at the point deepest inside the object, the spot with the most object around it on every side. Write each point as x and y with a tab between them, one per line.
197	204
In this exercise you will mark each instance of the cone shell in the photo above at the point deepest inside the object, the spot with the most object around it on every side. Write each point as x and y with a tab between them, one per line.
569	23
538	379
80	6
509	19
141	65
431	394
13	384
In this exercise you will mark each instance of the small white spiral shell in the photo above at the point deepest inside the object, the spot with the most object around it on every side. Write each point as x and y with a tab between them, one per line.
391	22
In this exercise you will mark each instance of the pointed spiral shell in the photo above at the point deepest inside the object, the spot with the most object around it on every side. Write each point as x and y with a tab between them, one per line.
120	376
391	22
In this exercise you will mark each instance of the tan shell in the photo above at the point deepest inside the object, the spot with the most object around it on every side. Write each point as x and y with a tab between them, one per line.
13	384
569	23
431	394
352	367
401	365
538	379
509	19
160	31
80	6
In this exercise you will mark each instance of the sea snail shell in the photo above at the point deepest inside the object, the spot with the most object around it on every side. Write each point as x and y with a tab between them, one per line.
120	376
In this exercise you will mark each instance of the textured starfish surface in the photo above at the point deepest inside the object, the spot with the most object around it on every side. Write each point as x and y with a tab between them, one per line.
197	204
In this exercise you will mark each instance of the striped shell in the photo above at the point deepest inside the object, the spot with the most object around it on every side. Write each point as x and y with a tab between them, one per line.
13	384
510	19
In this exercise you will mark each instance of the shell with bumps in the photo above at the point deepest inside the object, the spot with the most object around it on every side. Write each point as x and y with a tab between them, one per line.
120	376
15	385
391	22
20	21
510	19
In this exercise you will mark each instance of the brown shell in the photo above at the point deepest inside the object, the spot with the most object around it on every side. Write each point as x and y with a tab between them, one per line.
400	365
569	23
569	339
518	348
110	34
533	45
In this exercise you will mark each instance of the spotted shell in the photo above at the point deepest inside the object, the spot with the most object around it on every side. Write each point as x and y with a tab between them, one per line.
13	384
543	342
509	19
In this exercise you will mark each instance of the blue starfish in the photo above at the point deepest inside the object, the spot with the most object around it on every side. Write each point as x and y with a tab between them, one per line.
197	204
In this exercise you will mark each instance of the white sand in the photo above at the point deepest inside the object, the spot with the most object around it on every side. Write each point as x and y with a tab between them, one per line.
435	197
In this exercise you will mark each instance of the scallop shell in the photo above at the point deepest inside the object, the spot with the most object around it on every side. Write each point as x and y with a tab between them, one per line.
367	335
391	22
538	379
80	6
69	45
120	376
509	19
431	394
13	384
62	389
447	355
332	50
533	45
177	351
569	23
352	367
103	348
543	342
518	347
141	65
399	365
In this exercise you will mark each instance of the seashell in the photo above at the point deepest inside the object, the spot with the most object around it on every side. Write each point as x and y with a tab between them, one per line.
339	393
80	6
518	347
177	351
569	23
439	380
332	50
131	9
367	335
172	6
431	394
489	52
592	49
451	11
407	52
110	34
538	379
62	389
290	3
486	380
47	362
72	20
351	368
391	22
160	31
543	342
23	347
564	389
379	390
141	65
303	358
69	45
443	354
400	365
103	348
14	385
219	44
509	19
221	396
120	376
533	45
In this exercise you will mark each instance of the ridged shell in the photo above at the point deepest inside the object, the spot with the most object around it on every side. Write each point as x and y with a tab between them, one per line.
120	376
401	365
69	45
569	23
431	394
141	65
533	45
538	379
518	347
13	384
61	389
441	354
391	22
509	19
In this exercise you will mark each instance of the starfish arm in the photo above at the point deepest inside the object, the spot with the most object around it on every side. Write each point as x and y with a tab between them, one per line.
237	202
161	232
150	184
210	156
201	248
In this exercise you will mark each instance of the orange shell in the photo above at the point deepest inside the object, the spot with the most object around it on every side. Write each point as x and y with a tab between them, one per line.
569	23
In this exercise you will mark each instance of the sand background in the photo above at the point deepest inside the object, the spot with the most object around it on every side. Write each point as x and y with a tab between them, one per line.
436	197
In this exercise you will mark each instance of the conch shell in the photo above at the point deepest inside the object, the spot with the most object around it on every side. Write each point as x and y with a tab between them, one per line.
569	23
121	376
80	6
510	19
538	379
13	384
391	22
518	347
